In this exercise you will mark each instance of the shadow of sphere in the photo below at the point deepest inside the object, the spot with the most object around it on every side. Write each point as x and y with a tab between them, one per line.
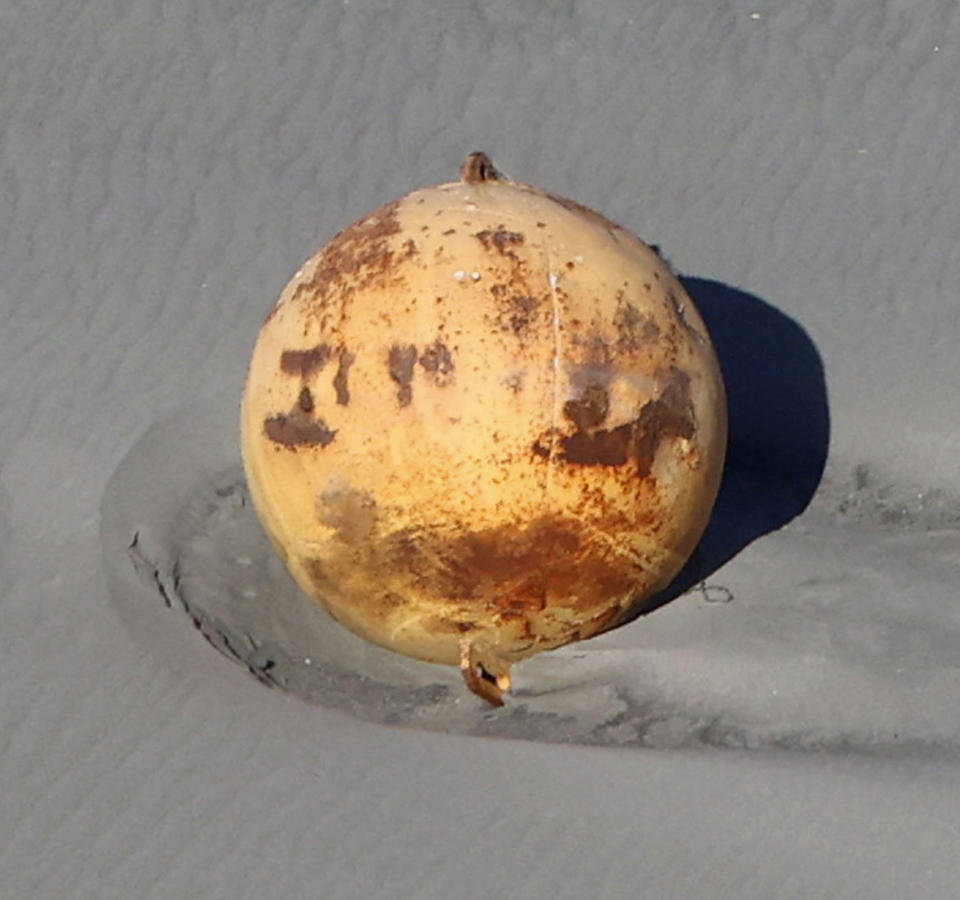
779	424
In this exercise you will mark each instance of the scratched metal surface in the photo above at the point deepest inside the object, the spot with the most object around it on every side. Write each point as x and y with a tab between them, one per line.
167	165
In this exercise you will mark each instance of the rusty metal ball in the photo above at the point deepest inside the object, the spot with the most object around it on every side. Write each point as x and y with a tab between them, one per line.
482	422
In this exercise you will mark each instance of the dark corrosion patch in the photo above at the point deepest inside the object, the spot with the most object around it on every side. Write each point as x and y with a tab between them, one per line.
517	310
400	362
509	553
518	572
513	382
356	257
305	362
500	239
352	512
522	312
297	429
634	329
669	415
340	380
437	359
510	566
593	357
590	409
541	449
305	400
478	167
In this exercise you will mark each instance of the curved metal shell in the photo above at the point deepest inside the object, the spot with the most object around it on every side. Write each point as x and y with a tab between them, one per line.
483	417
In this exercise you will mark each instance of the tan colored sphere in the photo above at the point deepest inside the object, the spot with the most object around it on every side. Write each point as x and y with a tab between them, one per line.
482	422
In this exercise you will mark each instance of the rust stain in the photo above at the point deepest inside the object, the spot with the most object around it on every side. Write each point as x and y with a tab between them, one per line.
523	310
352	512
324	574
590	409
594	359
500	239
524	576
400	362
669	415
437	359
541	449
297	429
515	571
516	600
517	308
305	400
340	380
517	305
518	572
514	382
355	258
478	167
634	329
305	362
